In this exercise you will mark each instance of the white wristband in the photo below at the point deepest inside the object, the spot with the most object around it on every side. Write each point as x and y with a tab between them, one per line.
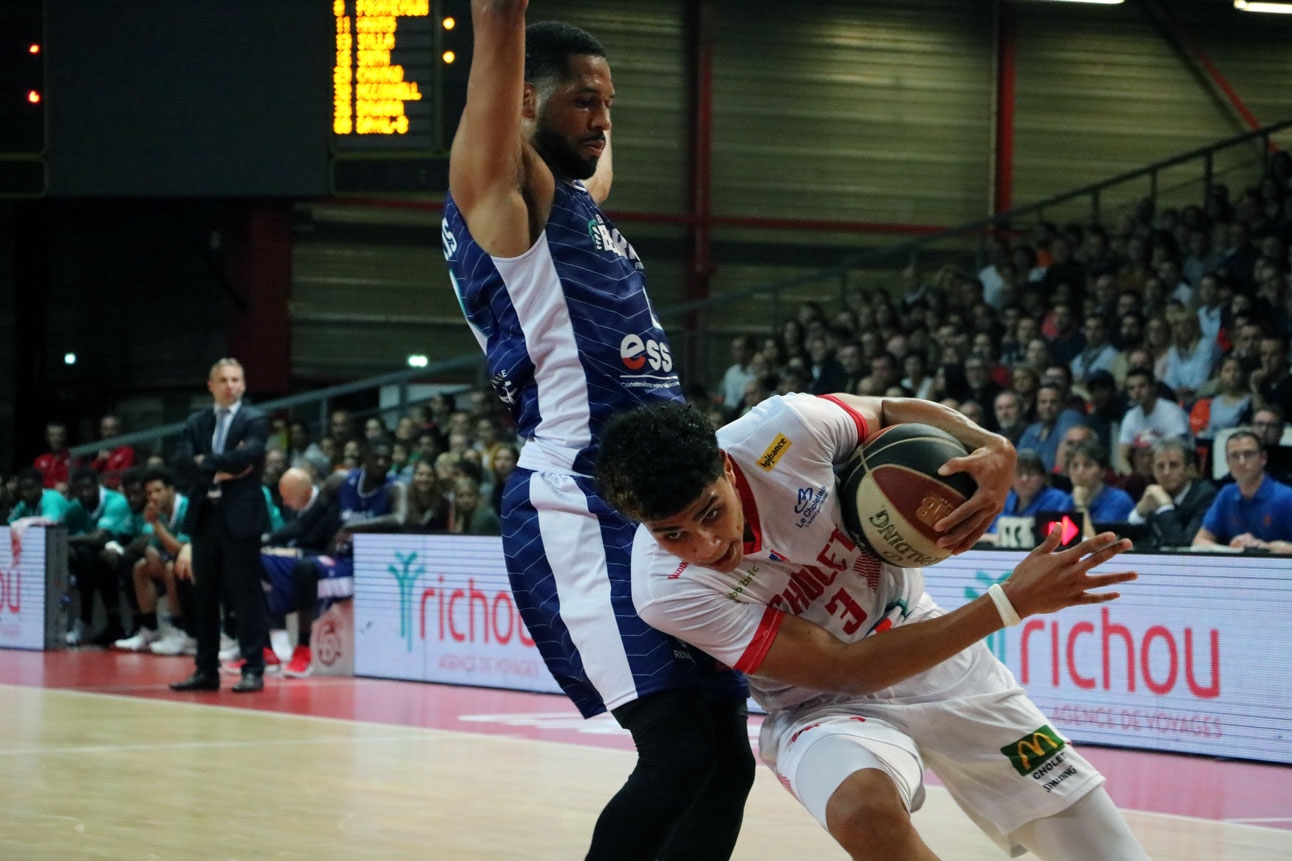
1008	614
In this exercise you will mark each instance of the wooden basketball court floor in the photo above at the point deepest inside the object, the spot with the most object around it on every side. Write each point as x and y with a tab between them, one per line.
98	759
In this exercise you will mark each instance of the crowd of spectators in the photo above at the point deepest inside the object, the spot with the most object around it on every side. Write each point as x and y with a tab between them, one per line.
1172	324
1086	346
449	465
454	460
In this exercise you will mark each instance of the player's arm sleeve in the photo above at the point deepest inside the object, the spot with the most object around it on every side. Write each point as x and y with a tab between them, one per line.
840	422
737	633
116	518
53	508
858	425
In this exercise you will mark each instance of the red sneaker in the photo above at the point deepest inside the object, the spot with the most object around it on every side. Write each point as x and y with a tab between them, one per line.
234	668
300	665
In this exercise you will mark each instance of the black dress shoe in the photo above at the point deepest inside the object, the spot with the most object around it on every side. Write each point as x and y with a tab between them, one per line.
250	682
199	681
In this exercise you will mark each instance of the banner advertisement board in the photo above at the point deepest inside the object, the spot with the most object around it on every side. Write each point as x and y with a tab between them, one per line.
33	563
438	608
1189	659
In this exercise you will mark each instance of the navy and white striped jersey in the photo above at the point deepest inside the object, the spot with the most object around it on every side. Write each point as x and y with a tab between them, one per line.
567	328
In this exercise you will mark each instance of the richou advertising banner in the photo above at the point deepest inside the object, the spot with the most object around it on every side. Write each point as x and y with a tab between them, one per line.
1192	658
438	608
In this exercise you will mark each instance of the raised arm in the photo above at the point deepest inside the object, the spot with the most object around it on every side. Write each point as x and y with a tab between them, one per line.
806	654
489	156
598	185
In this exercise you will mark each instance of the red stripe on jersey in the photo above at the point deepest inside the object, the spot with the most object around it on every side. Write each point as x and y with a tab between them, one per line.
752	521
858	419
768	627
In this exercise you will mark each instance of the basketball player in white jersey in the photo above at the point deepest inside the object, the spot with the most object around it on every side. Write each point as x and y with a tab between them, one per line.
557	298
865	680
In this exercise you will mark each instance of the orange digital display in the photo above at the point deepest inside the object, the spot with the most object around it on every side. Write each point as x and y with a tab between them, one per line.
382	79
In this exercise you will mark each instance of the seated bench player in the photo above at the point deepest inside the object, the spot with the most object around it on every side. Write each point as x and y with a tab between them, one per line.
290	558
368	499
865	680
164	516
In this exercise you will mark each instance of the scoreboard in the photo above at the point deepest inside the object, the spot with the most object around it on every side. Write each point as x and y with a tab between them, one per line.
294	98
383	80
397	65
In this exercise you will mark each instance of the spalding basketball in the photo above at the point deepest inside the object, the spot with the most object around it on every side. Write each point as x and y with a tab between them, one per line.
891	493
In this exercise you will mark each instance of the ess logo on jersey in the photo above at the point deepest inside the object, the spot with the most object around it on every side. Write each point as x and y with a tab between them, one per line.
635	353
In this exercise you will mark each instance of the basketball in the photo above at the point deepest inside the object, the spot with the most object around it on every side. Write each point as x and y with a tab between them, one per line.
892	495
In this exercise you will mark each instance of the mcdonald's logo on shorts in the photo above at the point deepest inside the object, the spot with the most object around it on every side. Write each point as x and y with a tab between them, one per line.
1033	750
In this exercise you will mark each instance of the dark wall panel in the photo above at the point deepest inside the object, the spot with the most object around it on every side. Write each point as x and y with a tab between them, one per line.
155	97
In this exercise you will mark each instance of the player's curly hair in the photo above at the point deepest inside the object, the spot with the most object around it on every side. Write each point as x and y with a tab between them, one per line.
657	460
549	45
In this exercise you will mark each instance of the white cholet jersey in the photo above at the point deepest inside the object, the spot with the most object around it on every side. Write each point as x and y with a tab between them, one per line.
800	560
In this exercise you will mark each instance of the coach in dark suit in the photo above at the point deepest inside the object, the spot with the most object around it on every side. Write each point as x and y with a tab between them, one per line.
1175	505
221	456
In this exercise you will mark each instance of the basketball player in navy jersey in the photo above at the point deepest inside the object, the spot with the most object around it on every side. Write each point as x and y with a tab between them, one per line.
367	499
864	679
557	298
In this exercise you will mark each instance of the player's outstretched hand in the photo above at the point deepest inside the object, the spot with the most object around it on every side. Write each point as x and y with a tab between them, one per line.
992	467
1049	579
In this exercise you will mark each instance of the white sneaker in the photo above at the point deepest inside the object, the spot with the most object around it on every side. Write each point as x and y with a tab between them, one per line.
78	634
281	643
229	650
176	642
138	643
